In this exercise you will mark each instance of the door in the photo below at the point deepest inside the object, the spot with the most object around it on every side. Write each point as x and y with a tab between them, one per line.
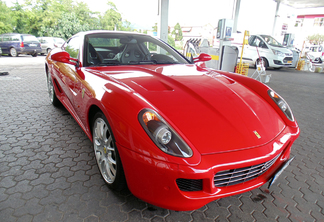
256	47
67	73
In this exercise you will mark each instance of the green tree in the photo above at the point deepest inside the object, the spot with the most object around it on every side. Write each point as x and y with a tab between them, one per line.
58	18
112	19
67	26
19	16
6	20
316	39
171	41
177	32
155	28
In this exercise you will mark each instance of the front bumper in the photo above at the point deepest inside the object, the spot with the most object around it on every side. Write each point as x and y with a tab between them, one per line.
184	187
286	61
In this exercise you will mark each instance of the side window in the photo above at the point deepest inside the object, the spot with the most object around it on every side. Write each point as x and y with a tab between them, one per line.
153	48
257	41
160	55
73	46
15	38
6	38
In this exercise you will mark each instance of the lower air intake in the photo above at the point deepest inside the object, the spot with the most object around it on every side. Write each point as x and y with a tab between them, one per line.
189	185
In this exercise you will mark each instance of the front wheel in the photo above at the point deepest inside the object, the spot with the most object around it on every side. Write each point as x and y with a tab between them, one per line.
51	92
264	61
106	153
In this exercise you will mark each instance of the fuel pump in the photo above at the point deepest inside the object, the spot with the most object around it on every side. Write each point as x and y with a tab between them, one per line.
288	41
227	54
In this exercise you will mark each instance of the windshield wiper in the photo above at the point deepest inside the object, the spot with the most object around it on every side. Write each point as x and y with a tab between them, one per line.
142	62
109	63
167	62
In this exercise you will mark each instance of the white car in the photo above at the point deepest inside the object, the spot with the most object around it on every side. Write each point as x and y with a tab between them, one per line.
48	43
272	53
315	51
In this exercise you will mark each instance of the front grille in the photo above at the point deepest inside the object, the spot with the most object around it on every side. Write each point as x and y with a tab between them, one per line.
241	175
286	59
189	185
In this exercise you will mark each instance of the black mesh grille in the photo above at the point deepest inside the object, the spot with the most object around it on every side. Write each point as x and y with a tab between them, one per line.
241	175
189	185
287	59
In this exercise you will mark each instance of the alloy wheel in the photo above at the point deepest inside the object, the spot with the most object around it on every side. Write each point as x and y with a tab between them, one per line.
104	149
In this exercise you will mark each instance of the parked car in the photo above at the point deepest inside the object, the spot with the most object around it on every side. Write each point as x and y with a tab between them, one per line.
177	134
273	54
14	44
48	43
315	51
0	52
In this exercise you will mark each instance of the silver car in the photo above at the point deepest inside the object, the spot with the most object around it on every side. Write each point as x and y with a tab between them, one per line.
48	43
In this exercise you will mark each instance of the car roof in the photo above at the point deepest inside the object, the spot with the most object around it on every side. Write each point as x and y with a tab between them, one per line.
107	31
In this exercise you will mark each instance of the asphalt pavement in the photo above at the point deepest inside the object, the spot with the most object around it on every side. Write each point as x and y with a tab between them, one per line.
48	171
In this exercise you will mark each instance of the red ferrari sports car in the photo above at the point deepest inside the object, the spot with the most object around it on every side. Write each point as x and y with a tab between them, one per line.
179	135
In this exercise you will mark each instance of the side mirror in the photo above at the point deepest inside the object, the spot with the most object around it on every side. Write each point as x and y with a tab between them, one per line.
65	58
203	57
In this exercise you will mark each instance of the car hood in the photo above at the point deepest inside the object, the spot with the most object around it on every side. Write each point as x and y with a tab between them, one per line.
282	49
211	112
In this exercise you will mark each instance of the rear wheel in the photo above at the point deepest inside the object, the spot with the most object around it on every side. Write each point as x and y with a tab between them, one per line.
106	153
13	52
34	55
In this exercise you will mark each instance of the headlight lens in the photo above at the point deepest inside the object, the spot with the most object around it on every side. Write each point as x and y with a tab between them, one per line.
278	53
162	134
283	105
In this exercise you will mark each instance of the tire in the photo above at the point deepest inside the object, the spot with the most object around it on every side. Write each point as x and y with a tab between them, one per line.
106	153
265	63
34	55
48	51
51	91
13	52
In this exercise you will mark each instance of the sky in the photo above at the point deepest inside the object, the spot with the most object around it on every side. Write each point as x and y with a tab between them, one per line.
257	16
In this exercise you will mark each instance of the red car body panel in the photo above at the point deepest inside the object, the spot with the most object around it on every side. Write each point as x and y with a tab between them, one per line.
229	121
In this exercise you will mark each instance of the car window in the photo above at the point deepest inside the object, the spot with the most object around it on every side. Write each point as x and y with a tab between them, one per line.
128	49
271	41
15	38
29	38
59	41
105	42
6	38
256	42
72	47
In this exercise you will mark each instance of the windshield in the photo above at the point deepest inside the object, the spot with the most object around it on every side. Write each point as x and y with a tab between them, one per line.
106	49
271	41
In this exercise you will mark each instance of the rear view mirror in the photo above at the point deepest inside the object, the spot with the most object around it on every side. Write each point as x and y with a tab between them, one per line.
65	58
203	57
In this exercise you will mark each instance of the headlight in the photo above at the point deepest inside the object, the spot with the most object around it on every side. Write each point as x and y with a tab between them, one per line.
278	53
283	105
162	134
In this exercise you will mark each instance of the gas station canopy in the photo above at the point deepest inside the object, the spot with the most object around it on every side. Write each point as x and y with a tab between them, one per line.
299	4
